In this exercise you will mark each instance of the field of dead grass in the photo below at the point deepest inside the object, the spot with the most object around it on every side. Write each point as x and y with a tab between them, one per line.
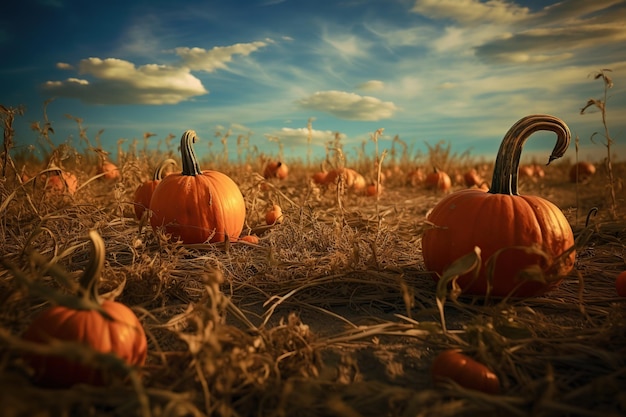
331	314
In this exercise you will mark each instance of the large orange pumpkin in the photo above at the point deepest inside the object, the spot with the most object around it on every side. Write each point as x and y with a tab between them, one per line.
143	193
197	206
514	232
106	326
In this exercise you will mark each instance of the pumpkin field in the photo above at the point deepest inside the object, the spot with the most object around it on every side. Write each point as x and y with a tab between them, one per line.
155	283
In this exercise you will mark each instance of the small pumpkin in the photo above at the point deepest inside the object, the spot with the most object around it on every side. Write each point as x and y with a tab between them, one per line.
61	182
108	169
374	189
275	169
416	177
582	171
274	215
352	179
320	177
254	239
453	365
438	180
144	192
196	206
472	178
514	232
106	326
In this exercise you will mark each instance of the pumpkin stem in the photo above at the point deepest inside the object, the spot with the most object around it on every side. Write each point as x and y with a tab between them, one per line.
158	172
190	162
505	171
90	280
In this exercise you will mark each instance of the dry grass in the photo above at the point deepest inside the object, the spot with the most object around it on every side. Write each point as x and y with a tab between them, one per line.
331	314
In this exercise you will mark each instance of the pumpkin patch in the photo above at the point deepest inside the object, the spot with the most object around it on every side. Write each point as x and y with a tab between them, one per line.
337	291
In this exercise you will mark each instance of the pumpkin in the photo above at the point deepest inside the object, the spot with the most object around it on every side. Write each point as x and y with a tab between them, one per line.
274	215
105	326
453	365
515	233
350	177
254	239
526	171
581	171
144	192
196	206
61	182
109	170
438	180
275	169
620	284
472	178
374	189
320	177
416	177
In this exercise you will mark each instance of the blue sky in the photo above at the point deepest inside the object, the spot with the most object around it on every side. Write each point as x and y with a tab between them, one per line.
459	71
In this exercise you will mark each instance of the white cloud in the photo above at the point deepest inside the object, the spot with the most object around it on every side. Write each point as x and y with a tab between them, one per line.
300	136
371	85
121	82
349	106
64	66
199	59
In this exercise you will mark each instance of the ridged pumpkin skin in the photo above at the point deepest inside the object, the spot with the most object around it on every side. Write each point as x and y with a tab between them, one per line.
197	206
501	221
117	331
473	217
124	337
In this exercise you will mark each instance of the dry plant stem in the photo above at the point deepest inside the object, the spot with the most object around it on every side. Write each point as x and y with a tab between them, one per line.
507	163
601	105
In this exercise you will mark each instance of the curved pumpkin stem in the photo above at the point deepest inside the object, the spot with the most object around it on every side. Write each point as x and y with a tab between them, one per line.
90	280
505	171
188	155
160	169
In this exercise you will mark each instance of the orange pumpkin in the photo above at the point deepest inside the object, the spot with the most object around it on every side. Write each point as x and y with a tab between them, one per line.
581	171
374	189
274	215
320	177
472	178
438	180
196	206
106	326
416	177
350	177
144	192
109	170
275	169
64	181
514	232
453	365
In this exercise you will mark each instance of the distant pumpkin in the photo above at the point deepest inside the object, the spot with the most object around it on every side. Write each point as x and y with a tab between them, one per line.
438	180
582	171
275	169
143	193
61	182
